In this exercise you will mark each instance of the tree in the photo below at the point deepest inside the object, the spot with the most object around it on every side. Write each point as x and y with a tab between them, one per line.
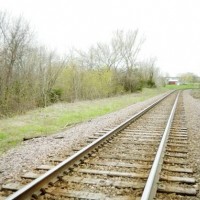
149	73
129	45
48	68
119	55
189	78
15	40
27	72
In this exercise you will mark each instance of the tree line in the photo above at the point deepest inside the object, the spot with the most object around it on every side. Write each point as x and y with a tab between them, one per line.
32	76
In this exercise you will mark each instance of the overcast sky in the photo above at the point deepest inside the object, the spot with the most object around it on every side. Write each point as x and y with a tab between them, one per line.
171	27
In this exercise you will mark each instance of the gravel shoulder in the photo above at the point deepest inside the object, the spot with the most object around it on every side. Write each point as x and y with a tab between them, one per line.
192	111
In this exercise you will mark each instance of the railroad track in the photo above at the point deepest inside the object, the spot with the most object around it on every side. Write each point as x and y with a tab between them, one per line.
143	158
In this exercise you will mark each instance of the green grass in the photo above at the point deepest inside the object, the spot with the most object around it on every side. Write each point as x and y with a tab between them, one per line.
49	120
181	87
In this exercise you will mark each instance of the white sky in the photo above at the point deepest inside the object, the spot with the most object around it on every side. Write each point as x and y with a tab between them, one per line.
171	27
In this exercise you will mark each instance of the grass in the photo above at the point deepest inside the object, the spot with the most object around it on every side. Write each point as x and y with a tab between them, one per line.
181	87
49	120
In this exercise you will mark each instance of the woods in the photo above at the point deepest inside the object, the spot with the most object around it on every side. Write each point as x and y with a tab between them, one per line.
32	76
107	69
27	72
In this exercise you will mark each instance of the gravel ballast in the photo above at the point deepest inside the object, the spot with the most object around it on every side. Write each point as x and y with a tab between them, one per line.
192	112
34	152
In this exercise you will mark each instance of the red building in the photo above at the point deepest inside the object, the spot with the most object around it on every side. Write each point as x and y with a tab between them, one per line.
173	80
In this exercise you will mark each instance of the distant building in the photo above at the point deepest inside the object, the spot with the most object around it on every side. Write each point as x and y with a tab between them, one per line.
173	80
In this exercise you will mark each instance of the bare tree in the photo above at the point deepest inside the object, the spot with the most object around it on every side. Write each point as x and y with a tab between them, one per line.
49	68
149	73
129	45
27	73
16	39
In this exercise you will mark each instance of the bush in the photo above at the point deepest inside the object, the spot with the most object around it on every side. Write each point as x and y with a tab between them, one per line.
55	95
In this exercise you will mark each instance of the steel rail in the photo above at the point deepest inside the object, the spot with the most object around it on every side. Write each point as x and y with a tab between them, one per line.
151	186
27	191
